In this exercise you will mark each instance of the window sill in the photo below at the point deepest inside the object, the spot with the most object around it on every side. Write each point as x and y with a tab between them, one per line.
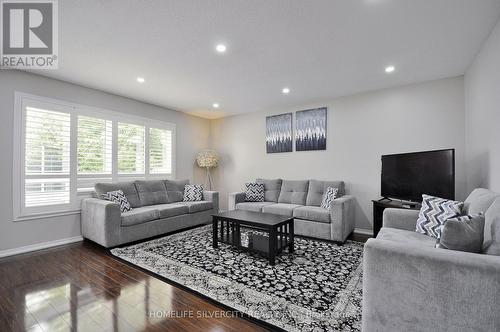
46	215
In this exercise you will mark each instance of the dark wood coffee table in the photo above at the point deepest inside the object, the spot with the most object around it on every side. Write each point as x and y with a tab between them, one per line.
227	229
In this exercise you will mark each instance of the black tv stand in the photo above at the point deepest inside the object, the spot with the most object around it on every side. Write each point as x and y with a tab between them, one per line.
381	204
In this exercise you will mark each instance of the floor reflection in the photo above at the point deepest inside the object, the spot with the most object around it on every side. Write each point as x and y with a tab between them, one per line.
66	306
81	287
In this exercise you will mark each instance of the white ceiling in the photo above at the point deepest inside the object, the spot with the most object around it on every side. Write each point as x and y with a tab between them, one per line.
320	49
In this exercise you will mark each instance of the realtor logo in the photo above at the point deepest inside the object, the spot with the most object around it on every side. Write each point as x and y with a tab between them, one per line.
29	34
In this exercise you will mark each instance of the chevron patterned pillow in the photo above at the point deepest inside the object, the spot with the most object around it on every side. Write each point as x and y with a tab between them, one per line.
254	192
119	197
328	197
193	193
434	212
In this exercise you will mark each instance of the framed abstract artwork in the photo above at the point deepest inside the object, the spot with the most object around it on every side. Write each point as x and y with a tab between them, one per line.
279	133
310	130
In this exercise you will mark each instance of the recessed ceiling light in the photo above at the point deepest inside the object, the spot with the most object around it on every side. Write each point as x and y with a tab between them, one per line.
221	48
141	80
389	69
215	105
285	91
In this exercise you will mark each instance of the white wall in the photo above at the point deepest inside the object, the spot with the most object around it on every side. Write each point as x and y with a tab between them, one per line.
482	130
361	128
192	136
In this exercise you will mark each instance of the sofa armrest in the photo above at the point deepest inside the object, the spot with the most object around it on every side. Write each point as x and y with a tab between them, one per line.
101	221
404	286
400	218
212	196
342	217
235	198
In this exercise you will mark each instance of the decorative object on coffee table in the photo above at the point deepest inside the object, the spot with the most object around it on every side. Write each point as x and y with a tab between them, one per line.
310	132
279	133
208	159
277	229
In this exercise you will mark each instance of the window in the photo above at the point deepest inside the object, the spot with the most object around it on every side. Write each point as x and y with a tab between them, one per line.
47	157
131	157
61	150
160	151
94	152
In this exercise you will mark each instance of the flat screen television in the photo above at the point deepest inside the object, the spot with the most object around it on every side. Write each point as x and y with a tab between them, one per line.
409	175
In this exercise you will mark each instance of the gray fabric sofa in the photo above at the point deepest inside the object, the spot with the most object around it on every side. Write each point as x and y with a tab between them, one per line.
157	208
302	200
408	285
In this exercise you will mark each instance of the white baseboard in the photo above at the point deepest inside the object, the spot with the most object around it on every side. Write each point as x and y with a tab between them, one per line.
363	231
39	246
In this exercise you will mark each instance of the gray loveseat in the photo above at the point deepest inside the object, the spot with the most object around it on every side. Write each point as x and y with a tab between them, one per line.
157	208
408	285
302	200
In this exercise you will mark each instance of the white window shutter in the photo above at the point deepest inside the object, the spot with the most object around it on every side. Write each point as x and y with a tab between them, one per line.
61	150
47	157
131	148
160	151
94	151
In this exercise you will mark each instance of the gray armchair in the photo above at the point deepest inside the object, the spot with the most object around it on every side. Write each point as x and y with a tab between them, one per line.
409	285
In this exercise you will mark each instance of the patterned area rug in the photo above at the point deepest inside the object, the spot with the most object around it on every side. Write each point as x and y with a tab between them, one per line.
317	288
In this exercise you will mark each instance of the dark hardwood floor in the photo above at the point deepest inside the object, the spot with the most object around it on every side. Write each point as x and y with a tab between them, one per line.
81	287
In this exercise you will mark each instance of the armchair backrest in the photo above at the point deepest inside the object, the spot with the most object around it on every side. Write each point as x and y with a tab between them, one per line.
479	200
487	202
491	244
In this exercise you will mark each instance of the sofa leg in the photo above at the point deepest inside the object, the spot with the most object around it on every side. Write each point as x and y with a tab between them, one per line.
339	243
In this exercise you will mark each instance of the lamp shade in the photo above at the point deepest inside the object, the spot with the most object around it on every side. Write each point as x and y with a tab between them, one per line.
207	158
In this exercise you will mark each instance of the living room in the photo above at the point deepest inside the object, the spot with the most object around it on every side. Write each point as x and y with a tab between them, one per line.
270	165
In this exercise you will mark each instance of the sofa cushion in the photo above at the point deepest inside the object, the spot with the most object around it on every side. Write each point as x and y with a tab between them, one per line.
491	245
272	188
281	209
152	192
294	192
313	213
479	201
171	210
128	189
410	238
463	233
175	190
252	206
140	215
317	189
199	206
